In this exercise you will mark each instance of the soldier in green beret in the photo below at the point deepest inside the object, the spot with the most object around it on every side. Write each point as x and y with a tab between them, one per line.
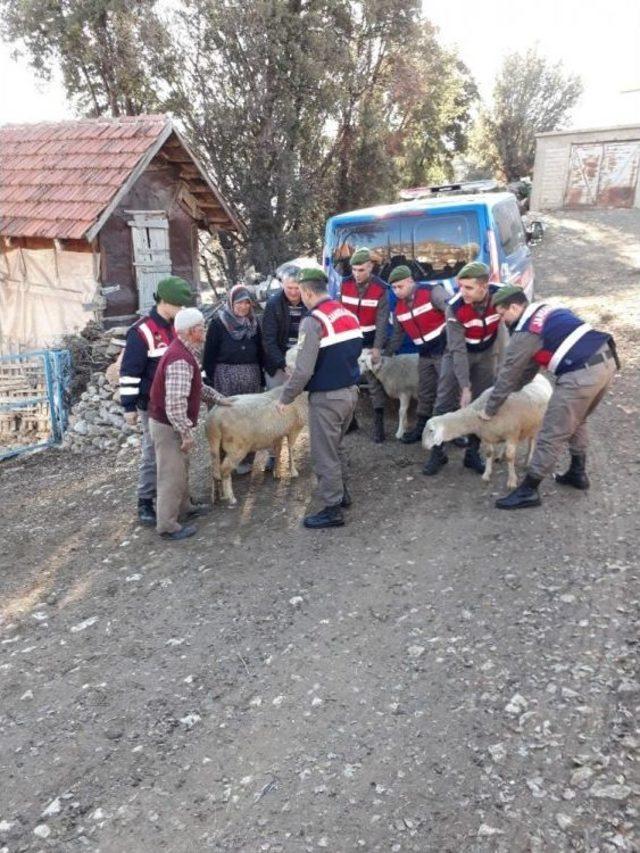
419	313
582	362
367	296
146	342
470	360
330	343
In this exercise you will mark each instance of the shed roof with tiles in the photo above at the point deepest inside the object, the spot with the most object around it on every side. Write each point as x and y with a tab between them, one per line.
62	180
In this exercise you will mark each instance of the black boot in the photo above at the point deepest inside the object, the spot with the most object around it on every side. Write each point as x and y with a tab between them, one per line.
575	475
437	459
330	516
378	425
354	426
524	496
472	458
415	434
346	501
146	512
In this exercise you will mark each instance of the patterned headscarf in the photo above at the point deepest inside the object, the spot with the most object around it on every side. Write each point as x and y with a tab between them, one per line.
238	327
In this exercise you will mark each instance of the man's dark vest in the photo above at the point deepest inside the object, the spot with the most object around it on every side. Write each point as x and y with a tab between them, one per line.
340	347
567	341
177	351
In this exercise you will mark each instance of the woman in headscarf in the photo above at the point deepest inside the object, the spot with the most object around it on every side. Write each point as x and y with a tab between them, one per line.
232	358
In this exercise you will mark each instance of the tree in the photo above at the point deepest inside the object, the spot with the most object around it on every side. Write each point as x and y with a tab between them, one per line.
299	108
530	96
108	50
295	125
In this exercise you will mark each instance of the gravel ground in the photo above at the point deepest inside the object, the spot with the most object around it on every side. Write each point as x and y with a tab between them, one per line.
436	676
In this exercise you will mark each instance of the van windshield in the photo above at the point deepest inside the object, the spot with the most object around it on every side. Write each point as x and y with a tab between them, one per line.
435	246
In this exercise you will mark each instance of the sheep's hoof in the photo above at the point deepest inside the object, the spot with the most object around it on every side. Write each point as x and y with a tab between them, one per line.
511	484
294	472
486	477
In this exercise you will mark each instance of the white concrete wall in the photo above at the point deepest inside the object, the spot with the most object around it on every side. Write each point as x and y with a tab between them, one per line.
553	155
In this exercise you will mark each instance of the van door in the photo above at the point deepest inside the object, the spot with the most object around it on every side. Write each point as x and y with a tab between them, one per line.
514	255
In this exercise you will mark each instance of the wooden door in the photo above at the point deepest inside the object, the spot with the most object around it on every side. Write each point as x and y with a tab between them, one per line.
151	256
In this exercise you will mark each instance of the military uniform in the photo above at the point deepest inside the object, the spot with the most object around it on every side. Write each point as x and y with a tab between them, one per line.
327	367
583	361
369	302
470	361
422	317
470	357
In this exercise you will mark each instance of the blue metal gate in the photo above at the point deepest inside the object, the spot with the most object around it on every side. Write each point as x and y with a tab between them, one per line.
34	400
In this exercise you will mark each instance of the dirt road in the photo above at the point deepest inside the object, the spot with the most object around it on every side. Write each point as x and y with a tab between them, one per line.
437	676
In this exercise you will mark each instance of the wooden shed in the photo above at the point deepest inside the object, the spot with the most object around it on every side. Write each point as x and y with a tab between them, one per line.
587	168
93	213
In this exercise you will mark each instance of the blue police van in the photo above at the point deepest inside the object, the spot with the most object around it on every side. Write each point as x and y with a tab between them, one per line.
435	236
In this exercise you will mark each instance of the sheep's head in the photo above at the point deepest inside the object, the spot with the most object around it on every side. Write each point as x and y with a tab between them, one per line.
433	433
365	362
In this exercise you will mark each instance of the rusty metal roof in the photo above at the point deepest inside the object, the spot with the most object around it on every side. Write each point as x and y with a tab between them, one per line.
62	179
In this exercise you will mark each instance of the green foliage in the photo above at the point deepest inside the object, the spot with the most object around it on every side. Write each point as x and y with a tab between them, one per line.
530	96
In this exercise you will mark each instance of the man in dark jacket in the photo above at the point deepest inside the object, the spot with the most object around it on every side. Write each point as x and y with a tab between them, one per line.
281	320
147	341
280	326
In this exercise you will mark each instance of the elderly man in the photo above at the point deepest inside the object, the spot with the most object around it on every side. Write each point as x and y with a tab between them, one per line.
327	367
419	312
469	363
583	362
146	342
280	326
176	395
367	296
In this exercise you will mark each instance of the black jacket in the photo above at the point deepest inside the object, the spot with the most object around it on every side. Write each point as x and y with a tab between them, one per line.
275	332
221	348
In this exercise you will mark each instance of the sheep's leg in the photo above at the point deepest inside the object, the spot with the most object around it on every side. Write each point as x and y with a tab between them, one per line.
277	465
510	455
215	440
291	442
405	399
488	465
228	465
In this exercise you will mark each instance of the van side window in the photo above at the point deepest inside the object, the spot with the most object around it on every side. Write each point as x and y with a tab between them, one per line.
509	225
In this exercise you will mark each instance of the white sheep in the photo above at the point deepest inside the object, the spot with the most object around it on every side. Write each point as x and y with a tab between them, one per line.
518	419
252	423
398	375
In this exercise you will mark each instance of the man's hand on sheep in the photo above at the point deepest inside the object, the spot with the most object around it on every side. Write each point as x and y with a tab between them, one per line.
376	356
484	416
225	401
465	397
281	408
188	443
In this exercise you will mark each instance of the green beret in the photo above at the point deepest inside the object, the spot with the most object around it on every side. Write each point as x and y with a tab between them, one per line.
360	256
175	291
505	293
400	273
476	269
312	274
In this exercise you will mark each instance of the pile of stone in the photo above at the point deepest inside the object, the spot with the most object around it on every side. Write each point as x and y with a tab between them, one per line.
96	421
